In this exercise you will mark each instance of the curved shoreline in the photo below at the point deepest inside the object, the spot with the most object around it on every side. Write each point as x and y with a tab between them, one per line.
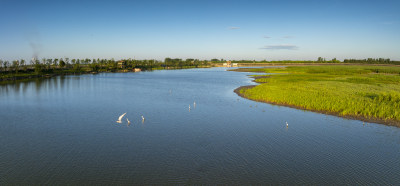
360	118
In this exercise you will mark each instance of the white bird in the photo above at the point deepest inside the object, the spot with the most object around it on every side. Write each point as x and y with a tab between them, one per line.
142	119
189	107
287	125
129	122
194	104
120	118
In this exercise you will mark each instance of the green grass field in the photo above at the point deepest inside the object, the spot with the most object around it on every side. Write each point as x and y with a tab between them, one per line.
365	92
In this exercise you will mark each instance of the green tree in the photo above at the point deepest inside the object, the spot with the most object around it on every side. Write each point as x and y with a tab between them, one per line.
15	66
87	61
22	63
48	63
38	67
168	62
1	65
94	67
61	63
66	61
77	66
5	65
55	63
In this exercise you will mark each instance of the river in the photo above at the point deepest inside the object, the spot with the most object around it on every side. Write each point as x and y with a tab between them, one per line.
63	130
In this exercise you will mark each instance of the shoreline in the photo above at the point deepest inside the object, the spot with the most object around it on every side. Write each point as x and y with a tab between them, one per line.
10	80
352	117
39	76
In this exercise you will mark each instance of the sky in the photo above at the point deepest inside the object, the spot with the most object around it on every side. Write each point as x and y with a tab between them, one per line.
201	29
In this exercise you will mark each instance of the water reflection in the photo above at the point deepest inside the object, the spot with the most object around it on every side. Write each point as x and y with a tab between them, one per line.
39	85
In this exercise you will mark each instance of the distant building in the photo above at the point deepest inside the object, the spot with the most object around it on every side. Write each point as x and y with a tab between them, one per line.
234	64
137	69
228	64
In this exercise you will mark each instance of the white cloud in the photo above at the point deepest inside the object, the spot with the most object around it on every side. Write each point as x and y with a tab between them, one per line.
280	47
288	37
233	28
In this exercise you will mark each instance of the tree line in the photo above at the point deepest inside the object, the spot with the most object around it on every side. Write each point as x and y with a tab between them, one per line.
372	61
95	65
319	60
66	65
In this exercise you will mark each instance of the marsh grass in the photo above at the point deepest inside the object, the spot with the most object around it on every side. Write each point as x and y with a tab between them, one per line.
358	91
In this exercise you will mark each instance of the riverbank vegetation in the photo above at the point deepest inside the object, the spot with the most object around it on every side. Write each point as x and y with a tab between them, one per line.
320	60
370	93
20	69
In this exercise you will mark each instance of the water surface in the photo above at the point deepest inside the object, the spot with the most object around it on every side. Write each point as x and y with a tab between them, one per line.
62	130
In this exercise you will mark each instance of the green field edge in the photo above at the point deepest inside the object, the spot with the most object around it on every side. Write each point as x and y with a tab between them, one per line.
239	90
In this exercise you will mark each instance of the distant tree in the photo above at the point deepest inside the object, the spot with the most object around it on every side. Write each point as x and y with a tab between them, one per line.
94	67
38	67
48	63
77	65
87	61
1	65
61	63
112	65
55	63
5	65
372	61
196	63
167	62
22	63
151	63
66	61
15	66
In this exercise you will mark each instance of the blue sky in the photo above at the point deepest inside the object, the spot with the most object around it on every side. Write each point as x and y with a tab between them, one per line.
271	30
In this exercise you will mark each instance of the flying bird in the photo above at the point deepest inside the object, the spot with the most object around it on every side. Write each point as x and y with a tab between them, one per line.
287	125
120	118
142	119
129	122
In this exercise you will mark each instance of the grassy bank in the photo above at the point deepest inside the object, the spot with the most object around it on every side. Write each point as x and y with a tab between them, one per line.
370	93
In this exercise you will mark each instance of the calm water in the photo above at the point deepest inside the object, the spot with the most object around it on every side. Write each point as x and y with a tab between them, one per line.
63	131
